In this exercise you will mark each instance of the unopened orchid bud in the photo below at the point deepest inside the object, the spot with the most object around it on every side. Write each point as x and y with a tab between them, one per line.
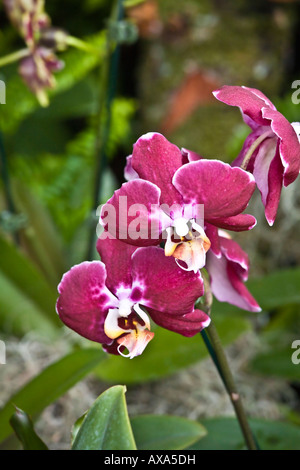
36	71
54	38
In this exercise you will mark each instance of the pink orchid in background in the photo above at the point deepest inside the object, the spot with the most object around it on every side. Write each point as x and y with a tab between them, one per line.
104	300
228	272
38	61
176	183
36	71
29	17
272	151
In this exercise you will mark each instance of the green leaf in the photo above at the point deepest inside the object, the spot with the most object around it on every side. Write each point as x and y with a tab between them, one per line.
27	279
49	385
225	434
76	426
277	363
167	353
19	314
23	427
162	432
106	425
277	289
43	243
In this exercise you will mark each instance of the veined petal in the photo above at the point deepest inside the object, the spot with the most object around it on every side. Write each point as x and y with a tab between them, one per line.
156	159
234	253
252	137
274	188
116	255
225	191
227	285
249	100
85	300
269	185
163	285
187	325
192	253
135	342
133	214
212	234
237	223
190	156
289	147
129	173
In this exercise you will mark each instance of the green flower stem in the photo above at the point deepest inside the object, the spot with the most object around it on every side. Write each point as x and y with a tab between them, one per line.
107	90
214	346
14	57
228	380
254	146
81	45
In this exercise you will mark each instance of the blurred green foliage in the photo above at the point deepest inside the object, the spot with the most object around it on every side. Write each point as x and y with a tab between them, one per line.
49	167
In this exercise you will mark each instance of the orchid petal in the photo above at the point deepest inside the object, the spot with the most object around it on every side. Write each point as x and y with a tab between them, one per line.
190	156
224	191
268	182
249	101
155	159
163	285
289	147
133	214
237	223
135	342
116	255
85	300
129	173
227	284
187	325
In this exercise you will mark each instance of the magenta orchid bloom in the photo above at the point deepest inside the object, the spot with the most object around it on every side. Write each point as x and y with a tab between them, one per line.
167	189
272	151
104	300
229	272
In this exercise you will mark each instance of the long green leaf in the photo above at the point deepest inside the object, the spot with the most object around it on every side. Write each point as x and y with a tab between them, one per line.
42	240
225	434
106	426
49	385
162	432
19	314
23	427
26	278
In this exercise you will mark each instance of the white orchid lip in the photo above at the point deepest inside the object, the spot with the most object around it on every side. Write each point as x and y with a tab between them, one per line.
135	342
181	226
136	337
191	246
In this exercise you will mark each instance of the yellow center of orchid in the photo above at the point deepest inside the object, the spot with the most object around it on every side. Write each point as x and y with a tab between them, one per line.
134	334
187	242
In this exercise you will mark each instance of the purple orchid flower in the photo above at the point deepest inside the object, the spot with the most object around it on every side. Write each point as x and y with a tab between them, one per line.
272	151
104	300
228	272
168	190
37	67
